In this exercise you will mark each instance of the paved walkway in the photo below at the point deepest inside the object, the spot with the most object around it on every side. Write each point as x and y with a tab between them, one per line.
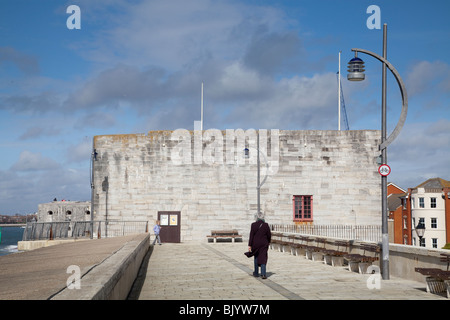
40	273
197	271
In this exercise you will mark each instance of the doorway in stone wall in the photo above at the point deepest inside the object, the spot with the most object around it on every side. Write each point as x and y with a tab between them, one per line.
170	226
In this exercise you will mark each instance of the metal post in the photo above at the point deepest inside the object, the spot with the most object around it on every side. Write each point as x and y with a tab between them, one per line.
339	93
106	214
201	111
92	188
384	223
51	231
258	179
105	188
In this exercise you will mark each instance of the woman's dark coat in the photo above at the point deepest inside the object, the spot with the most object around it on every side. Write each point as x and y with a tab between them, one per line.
259	240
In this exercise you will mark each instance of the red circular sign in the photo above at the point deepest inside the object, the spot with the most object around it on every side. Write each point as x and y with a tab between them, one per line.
384	170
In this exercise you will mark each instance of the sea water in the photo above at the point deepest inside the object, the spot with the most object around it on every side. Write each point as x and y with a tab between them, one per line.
9	238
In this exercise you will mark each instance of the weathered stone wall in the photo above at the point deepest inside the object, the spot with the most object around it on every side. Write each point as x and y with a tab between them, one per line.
213	183
58	211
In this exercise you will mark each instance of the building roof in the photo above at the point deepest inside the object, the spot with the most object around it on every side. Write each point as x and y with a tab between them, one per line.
434	183
394	201
400	190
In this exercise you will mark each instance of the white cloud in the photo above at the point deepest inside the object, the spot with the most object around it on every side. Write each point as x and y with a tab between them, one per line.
159	52
297	103
275	53
427	76
147	61
119	83
36	132
237	82
420	152
22	192
235	95
175	34
24	62
80	152
29	161
167	33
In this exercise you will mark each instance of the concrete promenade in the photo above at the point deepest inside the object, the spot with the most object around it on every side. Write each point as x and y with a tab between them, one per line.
197	271
185	271
42	273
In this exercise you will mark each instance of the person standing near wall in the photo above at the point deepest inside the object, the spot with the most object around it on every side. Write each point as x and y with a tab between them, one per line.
258	245
156	230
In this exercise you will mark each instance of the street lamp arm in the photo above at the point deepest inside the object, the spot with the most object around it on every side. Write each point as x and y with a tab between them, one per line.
401	84
267	167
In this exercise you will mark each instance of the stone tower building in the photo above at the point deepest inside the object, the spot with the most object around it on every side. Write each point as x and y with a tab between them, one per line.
198	181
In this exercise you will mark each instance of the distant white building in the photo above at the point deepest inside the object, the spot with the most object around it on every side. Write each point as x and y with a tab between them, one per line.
430	205
60	211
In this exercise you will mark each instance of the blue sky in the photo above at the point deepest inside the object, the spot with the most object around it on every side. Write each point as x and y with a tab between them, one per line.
137	65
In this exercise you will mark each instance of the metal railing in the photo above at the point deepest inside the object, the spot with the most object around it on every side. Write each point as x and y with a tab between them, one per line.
356	232
82	229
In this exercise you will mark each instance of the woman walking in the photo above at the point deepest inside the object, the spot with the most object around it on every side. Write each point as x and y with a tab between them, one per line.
258	245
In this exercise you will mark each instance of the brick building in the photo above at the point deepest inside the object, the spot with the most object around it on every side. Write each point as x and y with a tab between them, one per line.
398	231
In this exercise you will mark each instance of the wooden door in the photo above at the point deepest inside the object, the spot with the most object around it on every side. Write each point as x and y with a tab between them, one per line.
170	226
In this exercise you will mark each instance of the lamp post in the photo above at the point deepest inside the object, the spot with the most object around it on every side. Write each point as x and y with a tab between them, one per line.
93	159
420	230
356	73
258	181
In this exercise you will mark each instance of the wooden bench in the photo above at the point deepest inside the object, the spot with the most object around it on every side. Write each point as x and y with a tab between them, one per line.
316	253
285	243
289	245
282	242
232	235
445	258
360	262
336	257
302	247
311	252
277	241
273	241
435	273
437	280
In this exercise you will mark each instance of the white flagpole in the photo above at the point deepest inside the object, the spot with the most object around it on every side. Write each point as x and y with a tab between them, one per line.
201	116
339	93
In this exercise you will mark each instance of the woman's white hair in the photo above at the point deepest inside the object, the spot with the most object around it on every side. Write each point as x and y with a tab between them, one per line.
260	216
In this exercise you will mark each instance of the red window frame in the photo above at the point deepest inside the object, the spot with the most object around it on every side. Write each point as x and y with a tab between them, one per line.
302	206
